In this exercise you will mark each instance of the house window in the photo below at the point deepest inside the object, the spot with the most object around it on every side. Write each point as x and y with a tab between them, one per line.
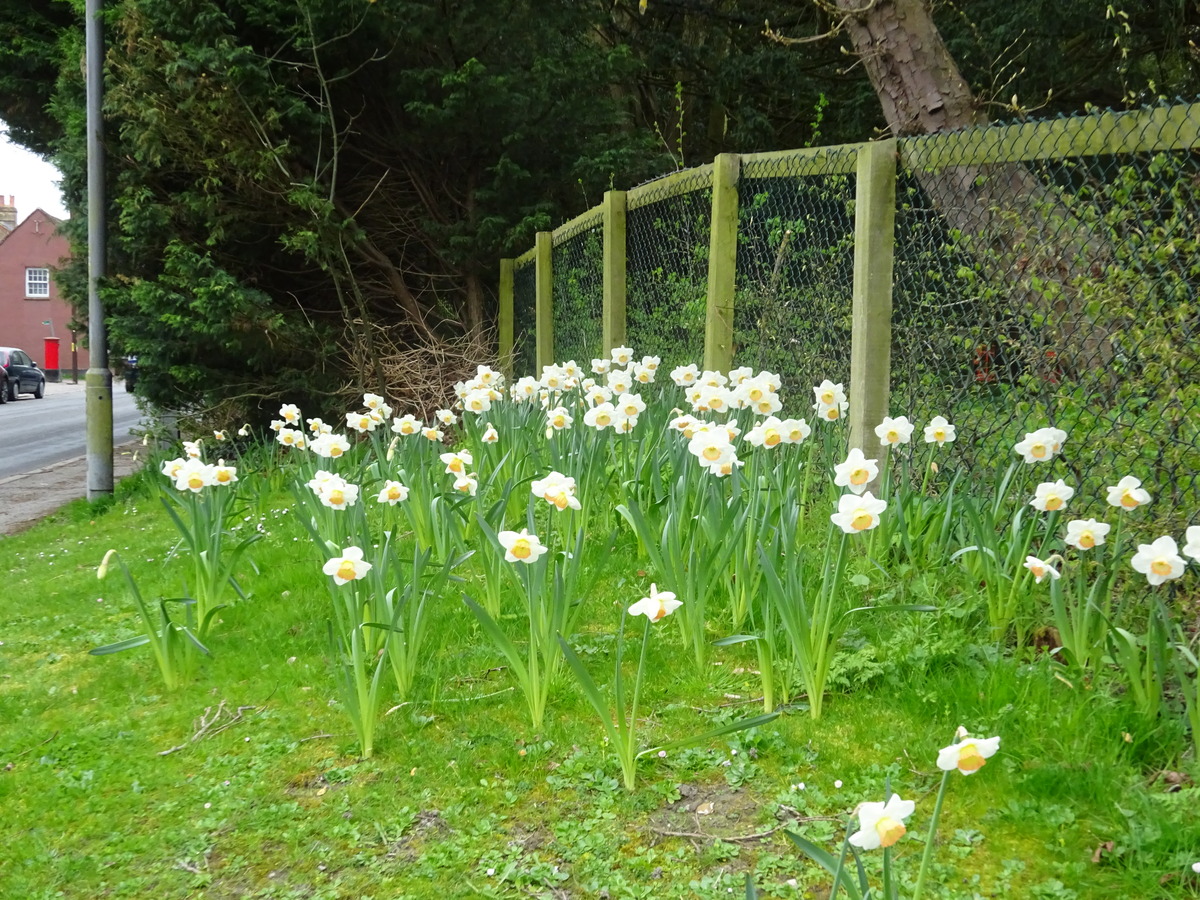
37	283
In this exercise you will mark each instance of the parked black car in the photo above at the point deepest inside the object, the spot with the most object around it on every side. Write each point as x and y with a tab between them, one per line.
131	373
21	375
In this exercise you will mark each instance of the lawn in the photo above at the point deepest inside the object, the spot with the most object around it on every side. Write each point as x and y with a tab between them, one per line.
248	779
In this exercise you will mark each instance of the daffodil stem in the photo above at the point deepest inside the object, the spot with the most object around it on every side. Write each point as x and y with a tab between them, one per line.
629	761
930	834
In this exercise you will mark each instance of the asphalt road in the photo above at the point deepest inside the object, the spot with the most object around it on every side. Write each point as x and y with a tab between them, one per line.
38	433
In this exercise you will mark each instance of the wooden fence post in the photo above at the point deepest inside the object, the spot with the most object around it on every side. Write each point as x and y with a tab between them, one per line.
722	264
614	270
504	350
544	277
874	243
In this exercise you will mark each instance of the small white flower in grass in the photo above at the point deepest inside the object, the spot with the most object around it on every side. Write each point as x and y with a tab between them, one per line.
1159	561
1051	495
939	431
894	431
348	567
490	435
244	431
829	394
1084	534
857	513
1041	569
457	463
881	824
1128	493
521	546
290	413
856	471
393	492
968	755
657	606
1191	542
1196	867
445	416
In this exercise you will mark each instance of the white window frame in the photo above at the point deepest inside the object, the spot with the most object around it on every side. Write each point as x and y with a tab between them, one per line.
37	283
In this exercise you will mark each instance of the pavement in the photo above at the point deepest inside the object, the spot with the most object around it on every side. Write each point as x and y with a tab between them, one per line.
28	498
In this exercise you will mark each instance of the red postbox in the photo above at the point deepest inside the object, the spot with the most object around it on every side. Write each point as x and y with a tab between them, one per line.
50	362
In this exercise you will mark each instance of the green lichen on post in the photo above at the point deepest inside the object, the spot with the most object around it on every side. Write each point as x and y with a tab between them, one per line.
722	265
614	270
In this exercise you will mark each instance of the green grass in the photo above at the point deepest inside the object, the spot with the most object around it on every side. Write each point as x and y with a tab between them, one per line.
463	800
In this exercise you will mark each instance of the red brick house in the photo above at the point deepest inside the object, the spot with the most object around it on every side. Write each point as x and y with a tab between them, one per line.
30	252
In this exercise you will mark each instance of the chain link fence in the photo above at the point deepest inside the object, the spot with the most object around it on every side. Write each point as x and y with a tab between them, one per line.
524	351
1056	288
795	269
579	290
667	233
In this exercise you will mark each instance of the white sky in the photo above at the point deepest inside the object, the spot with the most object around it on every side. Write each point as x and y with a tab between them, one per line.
28	178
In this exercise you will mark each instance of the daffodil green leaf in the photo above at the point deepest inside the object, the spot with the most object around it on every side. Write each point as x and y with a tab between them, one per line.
728	728
735	639
138	641
828	862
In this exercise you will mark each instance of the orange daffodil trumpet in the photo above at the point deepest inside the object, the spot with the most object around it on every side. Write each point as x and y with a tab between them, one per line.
391	493
457	463
657	606
1051	496
831	402
1041	445
556	489
1084	534
894	431
939	431
882	824
521	546
350	566
1041	569
969	755
333	490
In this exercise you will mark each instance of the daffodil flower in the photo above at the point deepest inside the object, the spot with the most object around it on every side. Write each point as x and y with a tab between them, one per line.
881	824
829	394
894	431
1041	445
194	476
490	435
432	434
330	446
1128	493
521	546
795	431
467	484
393	492
856	471
348	567
457	463
767	433
556	489
619	381
1050	496
559	419
831	413
621	356
1159	561
857	513
1191	542
968	755
223	474
685	375
361	422
290	413
939	431
1084	534
407	424
1041	569
600	416
657	606
478	401
219	435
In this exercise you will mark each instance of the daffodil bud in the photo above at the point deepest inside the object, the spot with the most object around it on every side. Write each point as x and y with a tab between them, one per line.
391	450
103	570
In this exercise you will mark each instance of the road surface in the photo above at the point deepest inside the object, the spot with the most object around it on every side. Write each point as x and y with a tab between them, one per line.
35	434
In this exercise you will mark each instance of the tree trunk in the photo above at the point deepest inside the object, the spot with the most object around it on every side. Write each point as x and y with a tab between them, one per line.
1016	228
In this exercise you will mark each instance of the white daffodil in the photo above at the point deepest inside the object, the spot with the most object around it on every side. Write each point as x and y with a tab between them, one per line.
767	433
337	493
712	448
619	381
831	413
559	419
1051	495
858	513
795	431
1084	534
478	401
968	755
330	446
318	427
1041	569
407	424
621	356
467	483
350	566
600	416
223	474
457	463
445	416
829	394
374	401
1041	445
685	425
601	366
939	431
630	405
684	376
1159	561
556	489
1128	493
290	413
490	434
361	422
194	476
219	435
881	824
658	605
432	434
521	546
393	492
856	471
894	431
1191	542
191	449
171	467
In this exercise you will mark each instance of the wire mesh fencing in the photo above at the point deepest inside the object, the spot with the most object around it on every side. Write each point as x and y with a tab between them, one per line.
579	290
667	235
524	351
1056	287
795	269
